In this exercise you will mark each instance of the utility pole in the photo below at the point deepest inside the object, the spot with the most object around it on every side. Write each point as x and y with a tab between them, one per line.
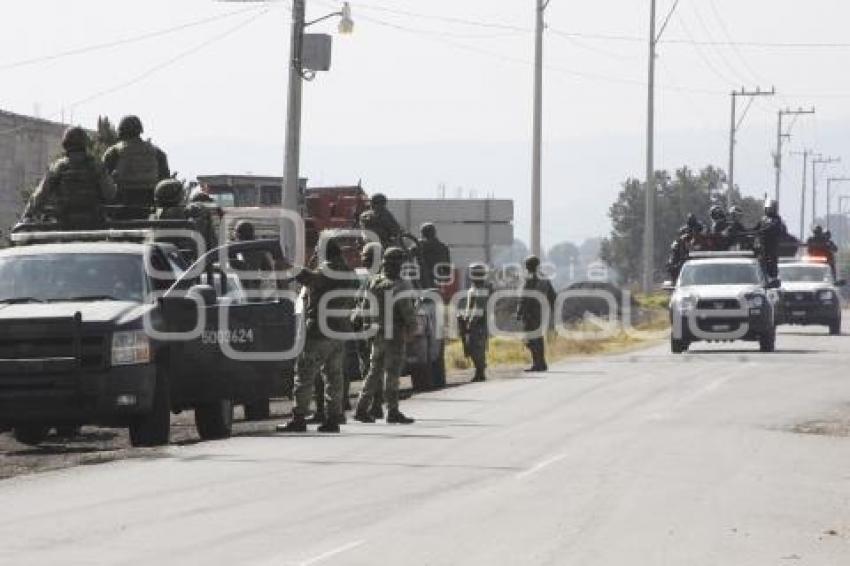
820	160
292	149
733	130
537	143
782	135
829	183
649	202
805	153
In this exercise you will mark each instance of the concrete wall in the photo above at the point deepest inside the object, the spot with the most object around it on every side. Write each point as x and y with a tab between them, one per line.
27	146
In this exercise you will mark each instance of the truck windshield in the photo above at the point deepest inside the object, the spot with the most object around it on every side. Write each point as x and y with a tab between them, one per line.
68	277
805	273
719	274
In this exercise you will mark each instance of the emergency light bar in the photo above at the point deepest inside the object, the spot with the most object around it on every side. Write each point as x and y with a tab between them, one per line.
747	254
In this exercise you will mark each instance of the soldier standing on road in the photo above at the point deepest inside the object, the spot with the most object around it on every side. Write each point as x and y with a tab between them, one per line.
532	310
436	257
76	185
771	230
369	255
397	318
381	222
322	354
136	166
473	323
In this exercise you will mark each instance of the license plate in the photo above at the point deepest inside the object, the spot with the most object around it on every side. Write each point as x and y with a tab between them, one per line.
798	313
721	327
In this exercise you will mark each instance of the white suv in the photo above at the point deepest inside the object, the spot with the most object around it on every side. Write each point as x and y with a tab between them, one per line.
722	297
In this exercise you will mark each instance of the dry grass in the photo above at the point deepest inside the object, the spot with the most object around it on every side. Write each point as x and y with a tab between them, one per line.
512	352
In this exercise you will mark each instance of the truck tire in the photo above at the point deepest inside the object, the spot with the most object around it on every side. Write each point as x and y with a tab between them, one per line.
767	343
678	346
258	410
154	429
420	377
214	420
31	435
835	327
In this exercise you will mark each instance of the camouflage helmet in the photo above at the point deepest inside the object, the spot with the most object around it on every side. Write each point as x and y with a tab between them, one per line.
478	271
370	252
130	127
394	256
818	230
244	231
75	139
379	199
532	262
168	192
716	212
199	195
428	230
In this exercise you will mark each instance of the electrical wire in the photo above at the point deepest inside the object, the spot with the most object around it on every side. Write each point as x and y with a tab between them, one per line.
125	41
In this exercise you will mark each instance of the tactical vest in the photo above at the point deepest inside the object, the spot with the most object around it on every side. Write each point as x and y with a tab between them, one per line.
137	171
78	193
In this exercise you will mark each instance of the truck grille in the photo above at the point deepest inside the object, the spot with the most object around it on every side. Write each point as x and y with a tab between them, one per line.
718	304
799	297
93	349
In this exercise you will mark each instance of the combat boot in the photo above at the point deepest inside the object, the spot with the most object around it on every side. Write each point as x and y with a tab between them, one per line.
297	424
479	376
363	417
331	425
377	411
395	416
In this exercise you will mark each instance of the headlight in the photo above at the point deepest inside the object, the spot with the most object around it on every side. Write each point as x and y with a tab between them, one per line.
130	348
687	302
755	301
825	296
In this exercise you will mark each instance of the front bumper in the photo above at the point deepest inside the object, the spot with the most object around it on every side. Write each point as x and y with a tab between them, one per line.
694	326
110	396
810	312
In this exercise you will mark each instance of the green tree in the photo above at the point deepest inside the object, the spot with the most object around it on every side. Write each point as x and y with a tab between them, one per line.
679	194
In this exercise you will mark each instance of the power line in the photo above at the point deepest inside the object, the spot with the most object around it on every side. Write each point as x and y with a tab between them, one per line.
124	41
170	61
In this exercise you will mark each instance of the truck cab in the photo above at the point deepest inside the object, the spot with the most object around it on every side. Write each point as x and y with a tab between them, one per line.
113	328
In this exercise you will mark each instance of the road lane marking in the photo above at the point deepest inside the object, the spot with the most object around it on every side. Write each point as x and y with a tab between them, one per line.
332	553
538	467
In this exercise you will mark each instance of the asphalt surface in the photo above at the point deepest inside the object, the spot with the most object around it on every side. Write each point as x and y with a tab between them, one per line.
722	456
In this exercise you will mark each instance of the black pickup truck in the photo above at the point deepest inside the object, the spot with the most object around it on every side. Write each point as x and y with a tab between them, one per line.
122	332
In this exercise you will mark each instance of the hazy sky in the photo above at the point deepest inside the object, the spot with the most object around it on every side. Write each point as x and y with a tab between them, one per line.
442	95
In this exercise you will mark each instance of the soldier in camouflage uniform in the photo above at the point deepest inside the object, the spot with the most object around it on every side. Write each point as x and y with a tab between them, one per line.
473	320
381	222
531	311
322	353
136	166
396	319
168	198
436	257
204	212
76	185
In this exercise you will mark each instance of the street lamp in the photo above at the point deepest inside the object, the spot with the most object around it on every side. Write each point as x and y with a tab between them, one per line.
303	65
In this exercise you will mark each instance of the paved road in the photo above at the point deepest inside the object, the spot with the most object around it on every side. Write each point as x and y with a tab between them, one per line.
647	458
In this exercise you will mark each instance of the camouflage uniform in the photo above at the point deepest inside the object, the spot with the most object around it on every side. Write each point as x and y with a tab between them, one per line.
387	348
434	254
474	321
322	353
531	313
381	222
136	165
76	185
